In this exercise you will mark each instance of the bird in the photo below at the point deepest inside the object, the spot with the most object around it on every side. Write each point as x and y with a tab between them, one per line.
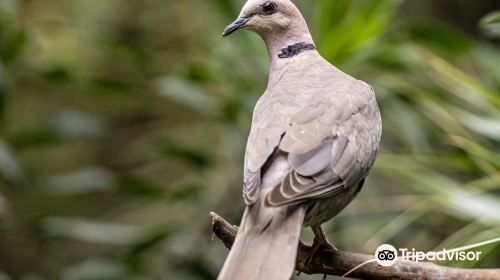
313	140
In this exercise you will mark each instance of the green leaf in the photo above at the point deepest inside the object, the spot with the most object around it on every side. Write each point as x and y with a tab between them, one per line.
441	36
192	156
329	14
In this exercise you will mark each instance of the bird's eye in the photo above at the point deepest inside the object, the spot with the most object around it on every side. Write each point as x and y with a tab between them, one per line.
269	8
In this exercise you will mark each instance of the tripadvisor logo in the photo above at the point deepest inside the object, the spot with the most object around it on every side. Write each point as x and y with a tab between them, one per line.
387	255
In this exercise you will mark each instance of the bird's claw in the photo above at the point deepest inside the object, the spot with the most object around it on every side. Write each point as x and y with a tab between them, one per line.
316	247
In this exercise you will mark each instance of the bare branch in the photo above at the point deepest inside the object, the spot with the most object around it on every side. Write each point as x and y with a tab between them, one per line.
339	262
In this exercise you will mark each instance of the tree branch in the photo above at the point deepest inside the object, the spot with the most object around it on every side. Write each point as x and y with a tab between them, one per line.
339	262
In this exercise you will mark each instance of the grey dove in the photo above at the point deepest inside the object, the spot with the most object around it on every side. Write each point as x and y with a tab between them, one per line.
314	138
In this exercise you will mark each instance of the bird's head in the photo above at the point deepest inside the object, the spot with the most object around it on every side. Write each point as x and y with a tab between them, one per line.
267	17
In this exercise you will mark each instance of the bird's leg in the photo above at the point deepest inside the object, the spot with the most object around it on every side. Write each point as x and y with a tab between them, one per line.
319	241
319	236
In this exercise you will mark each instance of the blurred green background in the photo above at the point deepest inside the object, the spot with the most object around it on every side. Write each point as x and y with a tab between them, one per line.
123	123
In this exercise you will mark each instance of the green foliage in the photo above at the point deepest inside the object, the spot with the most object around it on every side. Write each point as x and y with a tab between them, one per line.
124	124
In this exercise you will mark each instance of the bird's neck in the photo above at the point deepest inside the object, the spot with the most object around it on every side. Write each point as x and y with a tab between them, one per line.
283	46
287	45
283	50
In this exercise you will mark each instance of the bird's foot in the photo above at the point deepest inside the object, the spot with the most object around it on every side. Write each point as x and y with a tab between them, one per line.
320	243
315	248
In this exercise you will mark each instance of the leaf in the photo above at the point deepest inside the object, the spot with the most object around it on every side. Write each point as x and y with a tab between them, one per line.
460	84
9	166
93	231
141	187
490	24
3	96
367	22
37	137
442	36
192	156
81	181
185	93
12	46
149	241
226	8
4	276
329	14
484	125
187	193
74	123
95	269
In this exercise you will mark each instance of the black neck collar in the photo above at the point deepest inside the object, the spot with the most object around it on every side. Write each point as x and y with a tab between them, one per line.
295	49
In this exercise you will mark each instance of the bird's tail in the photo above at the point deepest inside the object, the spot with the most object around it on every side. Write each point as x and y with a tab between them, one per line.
266	244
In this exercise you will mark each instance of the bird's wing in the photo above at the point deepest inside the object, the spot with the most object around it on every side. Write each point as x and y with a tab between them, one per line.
268	126
318	173
330	145
330	151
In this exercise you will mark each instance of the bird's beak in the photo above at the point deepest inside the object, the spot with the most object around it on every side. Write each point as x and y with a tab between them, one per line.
237	24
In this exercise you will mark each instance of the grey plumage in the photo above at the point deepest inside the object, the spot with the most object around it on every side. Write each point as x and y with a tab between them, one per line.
314	137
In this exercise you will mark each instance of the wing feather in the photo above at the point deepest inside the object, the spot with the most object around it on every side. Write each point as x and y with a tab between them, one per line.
329	147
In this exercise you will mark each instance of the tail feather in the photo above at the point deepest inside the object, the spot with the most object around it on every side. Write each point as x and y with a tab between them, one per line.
266	244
